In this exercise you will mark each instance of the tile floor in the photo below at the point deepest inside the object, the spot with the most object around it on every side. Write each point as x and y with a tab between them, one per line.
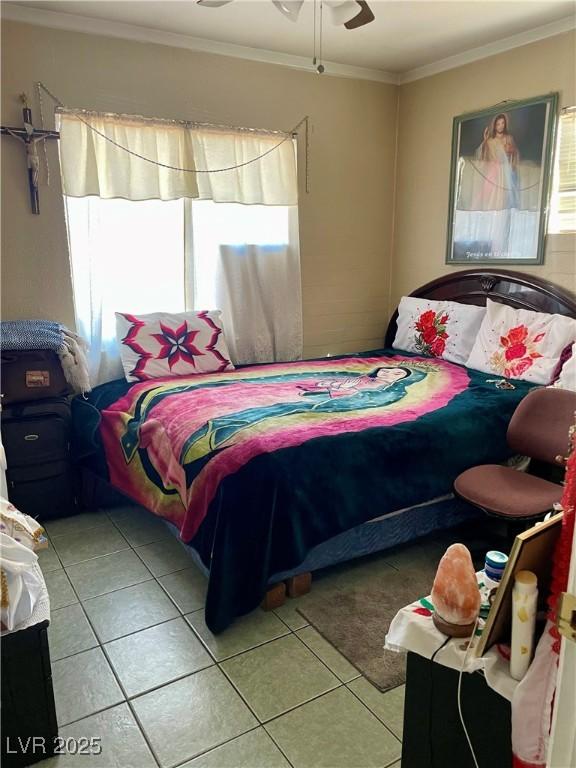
134	664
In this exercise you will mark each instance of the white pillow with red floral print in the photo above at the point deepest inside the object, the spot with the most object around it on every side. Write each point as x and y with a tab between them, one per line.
445	329
161	344
521	344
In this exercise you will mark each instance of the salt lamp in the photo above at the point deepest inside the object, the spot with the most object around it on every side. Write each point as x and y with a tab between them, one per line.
455	593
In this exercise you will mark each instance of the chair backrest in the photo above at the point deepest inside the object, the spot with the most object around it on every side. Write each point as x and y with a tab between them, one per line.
540	425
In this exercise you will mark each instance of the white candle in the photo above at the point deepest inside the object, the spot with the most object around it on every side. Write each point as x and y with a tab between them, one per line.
524	601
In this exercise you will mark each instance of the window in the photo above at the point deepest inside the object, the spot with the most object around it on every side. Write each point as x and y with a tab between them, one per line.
563	202
153	255
126	256
217	225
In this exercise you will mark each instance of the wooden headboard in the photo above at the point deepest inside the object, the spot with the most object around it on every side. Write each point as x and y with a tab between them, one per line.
474	286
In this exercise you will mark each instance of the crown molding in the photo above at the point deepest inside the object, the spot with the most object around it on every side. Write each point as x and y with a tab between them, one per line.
74	23
484	51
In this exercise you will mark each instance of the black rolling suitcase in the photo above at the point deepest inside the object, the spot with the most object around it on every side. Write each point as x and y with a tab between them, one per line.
41	477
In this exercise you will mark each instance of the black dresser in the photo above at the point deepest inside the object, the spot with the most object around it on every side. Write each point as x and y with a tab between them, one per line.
29	726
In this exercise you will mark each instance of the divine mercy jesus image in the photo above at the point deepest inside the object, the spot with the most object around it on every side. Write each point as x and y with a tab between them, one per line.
499	182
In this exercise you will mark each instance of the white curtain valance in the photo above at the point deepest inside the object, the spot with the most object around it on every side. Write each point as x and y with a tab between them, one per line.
94	161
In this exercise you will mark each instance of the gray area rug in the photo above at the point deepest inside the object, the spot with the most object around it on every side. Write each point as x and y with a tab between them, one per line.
352	604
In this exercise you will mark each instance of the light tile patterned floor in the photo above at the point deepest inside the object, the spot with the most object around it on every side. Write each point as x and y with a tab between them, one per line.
134	664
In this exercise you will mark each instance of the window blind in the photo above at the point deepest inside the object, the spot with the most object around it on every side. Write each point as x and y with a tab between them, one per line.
564	200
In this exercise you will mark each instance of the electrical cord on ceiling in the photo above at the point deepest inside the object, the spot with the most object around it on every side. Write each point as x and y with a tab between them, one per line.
317	30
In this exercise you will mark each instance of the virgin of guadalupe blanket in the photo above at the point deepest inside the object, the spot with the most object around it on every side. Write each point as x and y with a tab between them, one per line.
258	465
195	431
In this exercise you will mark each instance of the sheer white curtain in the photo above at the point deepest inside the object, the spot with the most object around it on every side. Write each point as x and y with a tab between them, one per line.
125	257
245	261
144	238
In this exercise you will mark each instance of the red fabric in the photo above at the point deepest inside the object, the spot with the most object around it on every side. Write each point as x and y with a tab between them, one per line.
517	763
559	583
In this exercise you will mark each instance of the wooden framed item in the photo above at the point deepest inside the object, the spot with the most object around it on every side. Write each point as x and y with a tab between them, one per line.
500	182
532	551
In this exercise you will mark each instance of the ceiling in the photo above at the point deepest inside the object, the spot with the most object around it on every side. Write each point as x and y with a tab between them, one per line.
406	35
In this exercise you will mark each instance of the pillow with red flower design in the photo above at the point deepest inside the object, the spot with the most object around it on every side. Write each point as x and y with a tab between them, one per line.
521	344
445	329
161	344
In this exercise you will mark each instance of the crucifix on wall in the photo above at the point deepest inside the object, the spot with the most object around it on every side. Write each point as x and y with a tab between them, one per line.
30	138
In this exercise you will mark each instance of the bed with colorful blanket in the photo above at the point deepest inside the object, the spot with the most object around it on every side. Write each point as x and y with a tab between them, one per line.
272	470
257	466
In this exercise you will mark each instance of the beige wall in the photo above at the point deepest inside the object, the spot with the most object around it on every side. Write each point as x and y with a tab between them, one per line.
351	275
345	221
427	108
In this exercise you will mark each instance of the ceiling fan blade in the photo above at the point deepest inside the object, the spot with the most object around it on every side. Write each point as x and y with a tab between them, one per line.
365	16
213	3
342	11
290	8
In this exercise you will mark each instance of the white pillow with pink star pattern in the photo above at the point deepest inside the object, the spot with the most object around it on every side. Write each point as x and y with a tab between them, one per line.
161	345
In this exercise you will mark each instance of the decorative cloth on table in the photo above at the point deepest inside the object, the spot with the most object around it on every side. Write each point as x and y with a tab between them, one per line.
445	329
20	584
413	629
521	344
45	334
23	595
20	527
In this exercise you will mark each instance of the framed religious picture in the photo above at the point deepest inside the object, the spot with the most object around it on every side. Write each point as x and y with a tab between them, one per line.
533	550
500	183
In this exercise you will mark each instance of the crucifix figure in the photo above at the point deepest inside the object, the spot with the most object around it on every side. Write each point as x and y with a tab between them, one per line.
30	137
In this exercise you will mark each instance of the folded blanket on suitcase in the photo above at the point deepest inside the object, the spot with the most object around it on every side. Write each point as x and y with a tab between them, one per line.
45	334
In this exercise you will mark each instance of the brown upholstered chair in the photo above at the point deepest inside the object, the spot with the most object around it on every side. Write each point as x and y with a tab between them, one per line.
539	429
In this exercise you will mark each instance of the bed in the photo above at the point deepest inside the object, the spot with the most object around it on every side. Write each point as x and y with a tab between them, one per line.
273	470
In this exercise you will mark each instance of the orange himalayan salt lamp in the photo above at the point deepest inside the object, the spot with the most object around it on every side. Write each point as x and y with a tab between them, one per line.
455	593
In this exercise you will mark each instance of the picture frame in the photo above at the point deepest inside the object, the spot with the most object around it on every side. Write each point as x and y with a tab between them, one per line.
500	182
532	550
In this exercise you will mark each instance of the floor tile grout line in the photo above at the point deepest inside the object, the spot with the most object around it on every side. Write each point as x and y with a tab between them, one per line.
295	633
279	747
302	704
328	667
96	638
143	732
140	728
136	631
238	653
78	532
118	589
118	682
133	697
97	557
290	709
217	746
374	713
182	615
129	700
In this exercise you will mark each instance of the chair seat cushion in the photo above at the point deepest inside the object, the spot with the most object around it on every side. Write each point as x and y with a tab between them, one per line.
507	492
